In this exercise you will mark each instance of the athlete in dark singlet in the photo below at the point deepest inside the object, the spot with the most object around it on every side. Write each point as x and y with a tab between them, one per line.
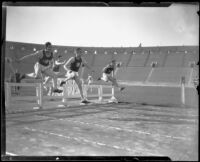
72	66
44	65
108	74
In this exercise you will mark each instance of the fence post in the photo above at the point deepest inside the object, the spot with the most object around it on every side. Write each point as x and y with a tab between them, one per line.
183	90
113	99
85	89
113	94
8	94
100	91
39	94
65	93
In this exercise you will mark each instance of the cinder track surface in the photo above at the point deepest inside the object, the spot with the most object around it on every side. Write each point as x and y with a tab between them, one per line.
104	130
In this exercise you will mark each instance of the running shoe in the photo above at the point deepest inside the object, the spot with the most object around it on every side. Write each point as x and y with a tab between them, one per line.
23	76
63	82
57	91
84	101
122	88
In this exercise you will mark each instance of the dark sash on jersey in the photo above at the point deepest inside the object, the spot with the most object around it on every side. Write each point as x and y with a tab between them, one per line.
108	69
45	60
76	64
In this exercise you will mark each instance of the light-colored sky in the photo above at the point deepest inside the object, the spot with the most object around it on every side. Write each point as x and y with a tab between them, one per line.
104	26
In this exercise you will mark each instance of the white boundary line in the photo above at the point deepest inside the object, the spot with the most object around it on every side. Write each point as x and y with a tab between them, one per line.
129	130
11	154
121	129
151	84
81	139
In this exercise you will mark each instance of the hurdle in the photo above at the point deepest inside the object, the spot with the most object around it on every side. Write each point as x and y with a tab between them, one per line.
183	90
38	97
100	95
65	96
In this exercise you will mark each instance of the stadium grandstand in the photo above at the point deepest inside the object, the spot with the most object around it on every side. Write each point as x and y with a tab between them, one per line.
156	115
146	67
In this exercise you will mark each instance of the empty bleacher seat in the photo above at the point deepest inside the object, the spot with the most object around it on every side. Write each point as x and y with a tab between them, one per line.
102	59
123	57
156	57
174	60
138	59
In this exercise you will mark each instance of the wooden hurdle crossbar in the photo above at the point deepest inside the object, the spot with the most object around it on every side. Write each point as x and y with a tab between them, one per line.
38	97
85	87
66	95
100	91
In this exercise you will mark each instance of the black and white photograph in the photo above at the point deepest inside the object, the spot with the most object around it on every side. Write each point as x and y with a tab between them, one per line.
100	81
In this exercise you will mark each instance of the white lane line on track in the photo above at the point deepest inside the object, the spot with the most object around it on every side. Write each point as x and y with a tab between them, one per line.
85	140
10	154
129	130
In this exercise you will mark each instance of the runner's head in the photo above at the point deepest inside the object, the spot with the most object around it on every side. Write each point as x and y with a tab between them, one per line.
48	46
113	62
79	52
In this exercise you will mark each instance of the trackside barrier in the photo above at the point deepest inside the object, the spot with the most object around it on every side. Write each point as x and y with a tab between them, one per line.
71	91
183	90
67	94
180	94
38	97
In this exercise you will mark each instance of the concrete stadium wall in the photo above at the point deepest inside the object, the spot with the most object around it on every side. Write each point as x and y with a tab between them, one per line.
157	95
124	58
190	57
102	60
156	57
138	60
137	74
169	75
175	60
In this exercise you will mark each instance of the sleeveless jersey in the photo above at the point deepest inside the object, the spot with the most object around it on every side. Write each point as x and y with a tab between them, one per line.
108	69
75	65
56	68
45	60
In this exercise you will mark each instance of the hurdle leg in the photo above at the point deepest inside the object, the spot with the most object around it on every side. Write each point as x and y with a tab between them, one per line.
113	99
8	94
113	94
183	90
85	89
39	94
100	90
65	94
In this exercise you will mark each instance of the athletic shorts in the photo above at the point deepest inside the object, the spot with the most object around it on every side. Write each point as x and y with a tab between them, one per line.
105	77
71	74
40	68
90	81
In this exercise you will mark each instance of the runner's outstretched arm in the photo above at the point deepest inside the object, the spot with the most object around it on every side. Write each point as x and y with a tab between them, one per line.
38	54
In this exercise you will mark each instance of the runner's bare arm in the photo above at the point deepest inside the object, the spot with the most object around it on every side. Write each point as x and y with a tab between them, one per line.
67	64
103	70
59	62
37	54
